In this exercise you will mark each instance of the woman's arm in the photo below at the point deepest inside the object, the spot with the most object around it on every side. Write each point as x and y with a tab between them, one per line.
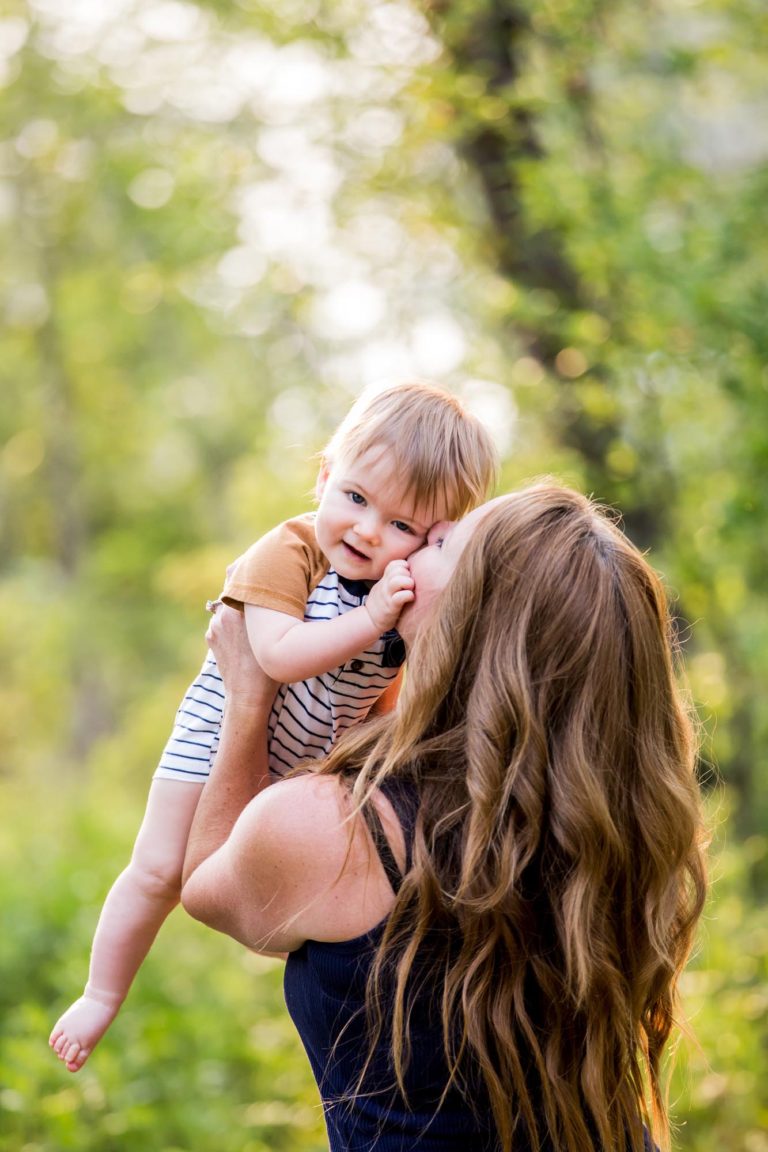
240	770
280	877
294	868
252	864
273	867
221	886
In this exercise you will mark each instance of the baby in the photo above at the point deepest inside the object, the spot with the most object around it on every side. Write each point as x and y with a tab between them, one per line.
321	594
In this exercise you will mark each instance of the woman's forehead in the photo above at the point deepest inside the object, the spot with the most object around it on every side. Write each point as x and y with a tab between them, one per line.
463	530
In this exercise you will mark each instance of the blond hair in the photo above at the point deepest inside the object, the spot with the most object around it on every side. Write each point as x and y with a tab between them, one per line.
441	452
558	862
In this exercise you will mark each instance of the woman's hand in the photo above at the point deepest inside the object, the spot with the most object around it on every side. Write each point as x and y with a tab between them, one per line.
246	682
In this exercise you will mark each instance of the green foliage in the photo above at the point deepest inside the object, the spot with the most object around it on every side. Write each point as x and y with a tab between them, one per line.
719	1086
202	1056
625	179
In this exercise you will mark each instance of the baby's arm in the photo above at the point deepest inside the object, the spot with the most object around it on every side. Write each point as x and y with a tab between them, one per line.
134	910
290	650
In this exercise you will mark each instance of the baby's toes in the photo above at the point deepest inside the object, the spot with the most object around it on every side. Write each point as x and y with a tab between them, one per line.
69	1052
76	1061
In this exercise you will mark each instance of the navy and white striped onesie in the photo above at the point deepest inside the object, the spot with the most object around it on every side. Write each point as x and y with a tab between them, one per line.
307	717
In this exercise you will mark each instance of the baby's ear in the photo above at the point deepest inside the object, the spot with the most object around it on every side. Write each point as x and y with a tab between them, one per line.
322	479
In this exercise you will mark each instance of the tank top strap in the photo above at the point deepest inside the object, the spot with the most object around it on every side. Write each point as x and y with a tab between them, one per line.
404	800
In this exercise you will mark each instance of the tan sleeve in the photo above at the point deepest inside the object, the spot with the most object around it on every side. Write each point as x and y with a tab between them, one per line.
280	570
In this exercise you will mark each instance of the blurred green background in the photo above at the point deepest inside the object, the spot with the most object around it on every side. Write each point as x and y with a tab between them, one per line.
218	222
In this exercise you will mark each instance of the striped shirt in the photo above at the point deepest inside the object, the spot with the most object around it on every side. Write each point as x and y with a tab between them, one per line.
307	717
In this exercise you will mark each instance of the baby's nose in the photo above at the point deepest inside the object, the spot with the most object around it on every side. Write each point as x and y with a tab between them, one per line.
368	525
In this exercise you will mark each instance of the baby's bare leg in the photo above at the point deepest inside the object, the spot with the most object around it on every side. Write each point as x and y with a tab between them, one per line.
134	910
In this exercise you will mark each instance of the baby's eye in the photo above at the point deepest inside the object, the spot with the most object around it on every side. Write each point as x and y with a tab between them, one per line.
356	498
403	527
439	542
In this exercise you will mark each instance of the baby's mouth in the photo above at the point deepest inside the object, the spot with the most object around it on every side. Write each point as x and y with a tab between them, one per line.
355	551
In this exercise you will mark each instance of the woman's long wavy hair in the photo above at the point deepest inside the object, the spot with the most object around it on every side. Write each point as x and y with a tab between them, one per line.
558	869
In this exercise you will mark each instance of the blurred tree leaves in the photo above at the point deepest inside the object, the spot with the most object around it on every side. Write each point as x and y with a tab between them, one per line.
624	172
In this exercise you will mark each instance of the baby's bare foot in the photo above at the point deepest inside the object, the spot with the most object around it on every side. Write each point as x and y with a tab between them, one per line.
78	1031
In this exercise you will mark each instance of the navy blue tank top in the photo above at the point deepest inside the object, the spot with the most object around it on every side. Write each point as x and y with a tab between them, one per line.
325	993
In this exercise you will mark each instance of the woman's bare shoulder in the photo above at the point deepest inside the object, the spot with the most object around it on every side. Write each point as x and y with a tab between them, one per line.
310	793
304	819
326	855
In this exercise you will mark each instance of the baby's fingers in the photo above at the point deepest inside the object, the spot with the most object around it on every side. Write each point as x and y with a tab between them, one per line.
399	577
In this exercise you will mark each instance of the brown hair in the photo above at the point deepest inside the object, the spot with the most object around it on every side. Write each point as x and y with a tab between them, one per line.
440	451
559	839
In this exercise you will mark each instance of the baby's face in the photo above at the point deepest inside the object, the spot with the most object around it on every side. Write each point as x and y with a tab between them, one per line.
365	518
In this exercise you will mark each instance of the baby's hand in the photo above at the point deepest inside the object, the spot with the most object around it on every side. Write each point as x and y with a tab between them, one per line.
389	595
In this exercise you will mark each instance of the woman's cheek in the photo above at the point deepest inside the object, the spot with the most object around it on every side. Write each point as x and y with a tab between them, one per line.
420	608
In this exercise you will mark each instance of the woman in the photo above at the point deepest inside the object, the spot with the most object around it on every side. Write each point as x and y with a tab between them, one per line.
488	897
